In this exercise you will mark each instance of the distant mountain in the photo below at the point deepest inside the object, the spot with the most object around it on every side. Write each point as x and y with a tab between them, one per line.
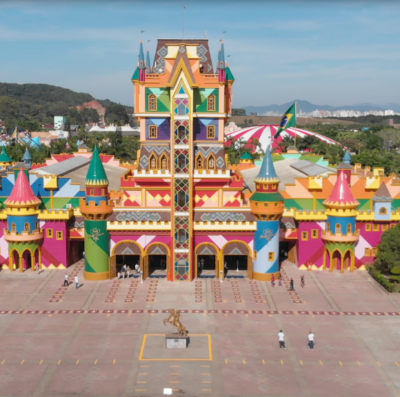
306	106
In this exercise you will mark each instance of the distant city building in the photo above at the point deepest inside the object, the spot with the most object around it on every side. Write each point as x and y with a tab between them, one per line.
59	122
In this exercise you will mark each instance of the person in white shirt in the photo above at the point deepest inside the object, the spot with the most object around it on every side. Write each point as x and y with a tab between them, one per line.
66	277
137	268
311	337
281	337
77	281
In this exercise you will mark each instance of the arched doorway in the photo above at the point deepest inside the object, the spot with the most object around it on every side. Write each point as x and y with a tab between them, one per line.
206	261
346	261
127	253
237	257
336	261
157	261
327	259
27	260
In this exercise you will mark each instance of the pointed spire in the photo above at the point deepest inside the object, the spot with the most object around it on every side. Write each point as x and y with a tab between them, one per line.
383	194
218	59
142	63
148	64
267	172
341	196
96	175
4	157
222	57
22	194
347	157
27	159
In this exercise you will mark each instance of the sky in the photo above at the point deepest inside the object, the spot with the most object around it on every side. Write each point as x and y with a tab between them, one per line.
329	53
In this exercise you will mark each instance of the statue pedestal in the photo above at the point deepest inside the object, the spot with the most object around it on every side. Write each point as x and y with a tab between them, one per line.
174	341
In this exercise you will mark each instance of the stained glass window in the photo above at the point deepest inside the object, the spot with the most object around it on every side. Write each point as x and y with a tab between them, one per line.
211	132
211	101
152	102
153	131
153	163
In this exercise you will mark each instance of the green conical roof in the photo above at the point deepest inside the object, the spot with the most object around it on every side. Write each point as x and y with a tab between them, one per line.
246	156
136	74
229	75
96	175
4	157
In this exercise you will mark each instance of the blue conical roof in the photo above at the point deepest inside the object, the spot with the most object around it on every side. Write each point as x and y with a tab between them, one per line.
347	157
142	64
267	172
148	64
222	57
27	155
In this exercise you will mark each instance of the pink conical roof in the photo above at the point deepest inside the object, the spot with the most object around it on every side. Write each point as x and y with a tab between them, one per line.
341	196
22	194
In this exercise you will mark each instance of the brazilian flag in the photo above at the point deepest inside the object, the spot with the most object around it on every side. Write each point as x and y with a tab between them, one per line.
288	120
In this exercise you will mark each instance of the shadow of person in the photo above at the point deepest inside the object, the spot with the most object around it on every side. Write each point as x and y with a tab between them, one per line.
80	285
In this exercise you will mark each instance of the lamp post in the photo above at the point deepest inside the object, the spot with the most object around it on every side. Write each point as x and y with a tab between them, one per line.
237	265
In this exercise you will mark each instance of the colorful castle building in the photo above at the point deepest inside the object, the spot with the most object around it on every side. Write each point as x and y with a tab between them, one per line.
181	211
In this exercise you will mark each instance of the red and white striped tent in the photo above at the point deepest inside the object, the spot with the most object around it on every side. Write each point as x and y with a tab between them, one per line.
264	133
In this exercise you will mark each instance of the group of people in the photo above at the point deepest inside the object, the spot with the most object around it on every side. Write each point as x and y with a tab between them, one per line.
302	282
126	271
310	340
66	280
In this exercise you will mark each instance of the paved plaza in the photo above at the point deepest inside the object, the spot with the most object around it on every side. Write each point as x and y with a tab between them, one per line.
106	338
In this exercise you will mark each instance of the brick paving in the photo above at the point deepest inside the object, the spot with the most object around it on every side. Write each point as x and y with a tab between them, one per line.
106	338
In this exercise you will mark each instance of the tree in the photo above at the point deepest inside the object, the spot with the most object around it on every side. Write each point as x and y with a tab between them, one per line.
58	109
9	108
238	112
116	113
286	142
389	250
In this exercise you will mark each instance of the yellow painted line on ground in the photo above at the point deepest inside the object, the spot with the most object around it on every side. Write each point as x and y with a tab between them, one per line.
205	389
96	361
141	381
397	363
340	363
174	373
206	381
116	361
143	374
140	389
205	373
205	366
175	366
77	361
3	362
142	366
59	362
244	361
301	362
40	362
359	363
226	361
378	363
321	362
282	362
263	362
22	362
174	381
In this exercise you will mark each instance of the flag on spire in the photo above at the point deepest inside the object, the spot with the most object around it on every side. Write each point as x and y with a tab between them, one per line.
288	120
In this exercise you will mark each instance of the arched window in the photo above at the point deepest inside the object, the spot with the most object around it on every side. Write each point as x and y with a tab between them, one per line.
153	162
181	198
211	162
27	227
181	132
152	103
349	228
211	102
37	226
13	227
338	228
200	162
153	131
211	132
181	161
328	227
383	211
164	162
181	236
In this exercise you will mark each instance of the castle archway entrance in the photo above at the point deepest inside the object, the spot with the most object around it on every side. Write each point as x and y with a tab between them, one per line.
206	261
237	260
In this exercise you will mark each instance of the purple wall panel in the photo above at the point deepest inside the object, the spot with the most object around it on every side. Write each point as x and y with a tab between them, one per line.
200	129
164	129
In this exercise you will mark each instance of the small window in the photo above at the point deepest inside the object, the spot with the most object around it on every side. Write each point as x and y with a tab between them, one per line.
153	162
211	163
368	227
271	256
304	236
92	192
181	198
60	235
49	233
37	226
376	228
276	204
181	236
257	185
382	211
367	252
274	186
152	103
27	227
256	204
265	204
338	228
164	162
255	254
314	233
13	227
374	251
200	162
328	227
211	132
211	103
349	228
153	131
385	227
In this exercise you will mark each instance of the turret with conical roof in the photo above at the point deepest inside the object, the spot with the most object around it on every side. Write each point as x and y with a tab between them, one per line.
267	204
27	159
148	63
221	64
23	234
345	166
96	208
340	233
5	159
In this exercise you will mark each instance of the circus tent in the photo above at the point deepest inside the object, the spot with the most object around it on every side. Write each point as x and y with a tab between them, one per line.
264	133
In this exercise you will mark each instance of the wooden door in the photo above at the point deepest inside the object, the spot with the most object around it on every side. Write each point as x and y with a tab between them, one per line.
249	267
113	266
145	267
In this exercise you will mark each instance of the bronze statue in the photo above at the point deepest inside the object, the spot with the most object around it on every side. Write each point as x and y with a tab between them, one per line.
174	320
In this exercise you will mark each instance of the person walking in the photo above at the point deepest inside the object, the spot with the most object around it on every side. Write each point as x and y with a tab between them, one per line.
302	281
280	280
77	281
281	337
291	285
37	268
273	280
226	269
311	337
137	268
66	281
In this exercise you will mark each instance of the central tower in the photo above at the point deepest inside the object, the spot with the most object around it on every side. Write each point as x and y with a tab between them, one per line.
182	105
